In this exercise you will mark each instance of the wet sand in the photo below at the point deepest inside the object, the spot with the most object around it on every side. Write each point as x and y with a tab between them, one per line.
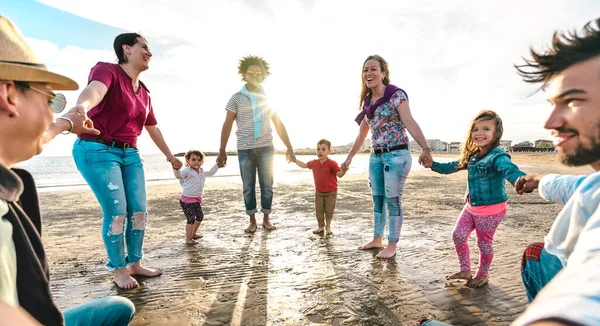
290	276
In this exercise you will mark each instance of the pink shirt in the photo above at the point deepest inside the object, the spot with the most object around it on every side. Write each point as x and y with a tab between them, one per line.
122	113
485	210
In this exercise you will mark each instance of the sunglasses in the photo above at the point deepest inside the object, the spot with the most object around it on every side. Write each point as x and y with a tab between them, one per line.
58	101
254	73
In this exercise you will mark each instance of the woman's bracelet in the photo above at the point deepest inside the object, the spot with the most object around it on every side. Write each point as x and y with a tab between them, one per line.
169	158
427	149
66	132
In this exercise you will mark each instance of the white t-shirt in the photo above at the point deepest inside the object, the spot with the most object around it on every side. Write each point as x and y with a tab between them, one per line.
8	260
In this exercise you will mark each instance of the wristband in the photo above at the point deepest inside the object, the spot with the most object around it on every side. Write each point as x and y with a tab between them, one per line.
66	132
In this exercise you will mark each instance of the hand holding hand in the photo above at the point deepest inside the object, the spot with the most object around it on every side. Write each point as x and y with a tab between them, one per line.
289	156
527	183
346	165
222	159
81	123
425	159
175	163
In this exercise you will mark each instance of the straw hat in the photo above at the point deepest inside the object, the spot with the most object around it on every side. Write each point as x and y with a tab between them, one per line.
19	63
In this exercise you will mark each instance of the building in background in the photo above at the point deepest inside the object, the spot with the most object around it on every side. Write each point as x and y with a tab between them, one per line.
505	145
544	143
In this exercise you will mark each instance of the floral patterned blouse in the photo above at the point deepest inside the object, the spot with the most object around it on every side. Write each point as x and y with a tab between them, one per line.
387	130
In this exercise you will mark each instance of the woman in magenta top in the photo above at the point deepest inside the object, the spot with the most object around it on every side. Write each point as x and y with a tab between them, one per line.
119	105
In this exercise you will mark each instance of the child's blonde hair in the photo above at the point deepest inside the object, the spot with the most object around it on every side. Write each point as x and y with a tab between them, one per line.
324	141
469	148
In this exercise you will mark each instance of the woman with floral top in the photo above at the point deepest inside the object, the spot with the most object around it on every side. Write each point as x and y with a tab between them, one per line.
385	112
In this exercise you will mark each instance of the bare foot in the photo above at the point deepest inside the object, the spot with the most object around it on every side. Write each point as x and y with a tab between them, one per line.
197	236
371	245
268	226
463	275
251	228
123	280
388	252
138	269
318	231
191	243
328	231
477	282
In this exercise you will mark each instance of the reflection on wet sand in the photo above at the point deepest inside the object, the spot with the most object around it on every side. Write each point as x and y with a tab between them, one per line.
290	276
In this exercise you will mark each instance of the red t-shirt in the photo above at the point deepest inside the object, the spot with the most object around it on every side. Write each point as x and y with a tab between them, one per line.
122	113
324	174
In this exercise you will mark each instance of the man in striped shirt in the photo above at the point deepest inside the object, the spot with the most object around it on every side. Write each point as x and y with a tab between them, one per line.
250	110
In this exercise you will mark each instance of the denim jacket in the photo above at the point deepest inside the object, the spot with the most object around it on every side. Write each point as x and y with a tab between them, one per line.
486	176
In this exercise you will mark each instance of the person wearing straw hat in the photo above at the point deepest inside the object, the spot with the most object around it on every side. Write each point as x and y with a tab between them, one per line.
27	107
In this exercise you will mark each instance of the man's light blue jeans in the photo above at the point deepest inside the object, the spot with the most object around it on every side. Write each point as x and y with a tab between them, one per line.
107	311
253	161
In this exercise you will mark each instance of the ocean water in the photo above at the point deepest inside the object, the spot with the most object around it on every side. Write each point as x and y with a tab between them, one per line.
56	173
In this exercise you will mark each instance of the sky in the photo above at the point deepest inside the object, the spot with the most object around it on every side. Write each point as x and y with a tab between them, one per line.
453	58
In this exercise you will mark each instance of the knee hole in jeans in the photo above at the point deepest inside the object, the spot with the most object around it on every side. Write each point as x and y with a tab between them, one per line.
117	225
140	220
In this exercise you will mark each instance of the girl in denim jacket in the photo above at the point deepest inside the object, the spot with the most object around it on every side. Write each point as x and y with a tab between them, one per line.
485	203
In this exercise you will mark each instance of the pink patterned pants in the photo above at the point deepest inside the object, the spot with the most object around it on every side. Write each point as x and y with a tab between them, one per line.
485	227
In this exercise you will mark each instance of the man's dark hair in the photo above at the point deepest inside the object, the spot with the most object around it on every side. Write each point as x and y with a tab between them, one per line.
252	60
567	49
122	39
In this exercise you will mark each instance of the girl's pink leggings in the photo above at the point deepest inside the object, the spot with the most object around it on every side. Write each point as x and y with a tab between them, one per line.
485	227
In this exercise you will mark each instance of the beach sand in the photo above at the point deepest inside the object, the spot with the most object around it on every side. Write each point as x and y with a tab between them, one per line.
290	276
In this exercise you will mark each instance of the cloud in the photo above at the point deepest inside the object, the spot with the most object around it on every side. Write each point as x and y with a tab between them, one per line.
453	58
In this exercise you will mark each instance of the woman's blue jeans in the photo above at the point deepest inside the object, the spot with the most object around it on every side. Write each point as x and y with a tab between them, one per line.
252	161
116	177
107	311
387	174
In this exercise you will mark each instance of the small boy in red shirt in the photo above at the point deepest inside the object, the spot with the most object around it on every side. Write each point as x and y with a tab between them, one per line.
325	173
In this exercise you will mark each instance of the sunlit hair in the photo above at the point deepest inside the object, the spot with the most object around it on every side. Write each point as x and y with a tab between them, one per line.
469	148
383	65
124	39
326	142
196	152
252	60
567	49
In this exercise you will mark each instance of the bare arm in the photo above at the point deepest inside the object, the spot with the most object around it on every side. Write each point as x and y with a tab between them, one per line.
159	140
341	173
415	131
363	131
15	316
282	132
225	133
301	164
91	95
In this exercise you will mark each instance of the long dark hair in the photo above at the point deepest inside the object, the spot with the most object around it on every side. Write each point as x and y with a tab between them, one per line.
124	39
